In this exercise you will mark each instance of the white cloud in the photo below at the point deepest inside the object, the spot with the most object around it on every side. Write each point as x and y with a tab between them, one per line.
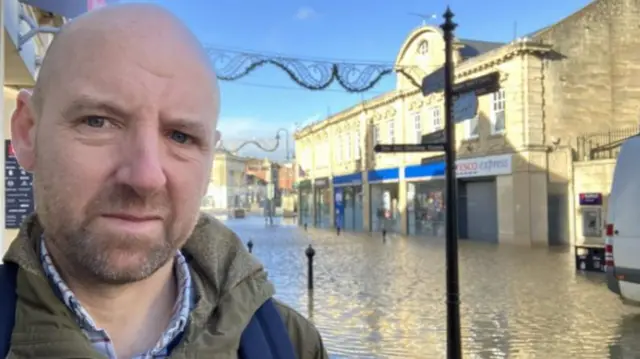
309	120
240	127
305	13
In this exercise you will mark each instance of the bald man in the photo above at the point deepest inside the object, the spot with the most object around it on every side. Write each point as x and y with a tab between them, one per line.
117	261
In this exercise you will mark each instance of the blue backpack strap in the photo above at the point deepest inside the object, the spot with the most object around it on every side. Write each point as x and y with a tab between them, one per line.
266	336
8	272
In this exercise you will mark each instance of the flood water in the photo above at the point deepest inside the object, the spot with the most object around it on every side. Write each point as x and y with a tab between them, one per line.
387	300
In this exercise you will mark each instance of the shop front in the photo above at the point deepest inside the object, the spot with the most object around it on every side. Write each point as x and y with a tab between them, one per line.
305	202
426	199
478	196
384	189
348	199
322	202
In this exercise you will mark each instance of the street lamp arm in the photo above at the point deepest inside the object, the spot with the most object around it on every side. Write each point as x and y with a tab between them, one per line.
310	74
255	143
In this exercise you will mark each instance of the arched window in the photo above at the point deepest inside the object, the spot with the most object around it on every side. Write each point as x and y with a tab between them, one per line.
423	48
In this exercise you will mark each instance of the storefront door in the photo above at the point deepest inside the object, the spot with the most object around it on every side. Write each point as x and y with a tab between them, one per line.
385	213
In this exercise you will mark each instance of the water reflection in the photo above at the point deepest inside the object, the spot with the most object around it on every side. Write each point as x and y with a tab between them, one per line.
375	300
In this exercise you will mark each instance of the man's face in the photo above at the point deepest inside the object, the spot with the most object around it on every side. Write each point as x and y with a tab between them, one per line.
121	157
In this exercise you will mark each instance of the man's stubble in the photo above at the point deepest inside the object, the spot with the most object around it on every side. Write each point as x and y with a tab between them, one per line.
93	253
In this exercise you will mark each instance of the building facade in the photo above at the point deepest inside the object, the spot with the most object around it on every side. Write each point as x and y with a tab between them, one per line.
287	177
20	57
592	105
228	187
515	140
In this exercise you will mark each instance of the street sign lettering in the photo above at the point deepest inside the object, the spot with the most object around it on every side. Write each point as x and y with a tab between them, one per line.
480	86
410	147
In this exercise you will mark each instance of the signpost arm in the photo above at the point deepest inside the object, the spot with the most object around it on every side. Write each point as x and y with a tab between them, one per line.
454	346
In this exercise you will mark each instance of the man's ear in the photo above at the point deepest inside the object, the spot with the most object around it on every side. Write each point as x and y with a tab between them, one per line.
23	131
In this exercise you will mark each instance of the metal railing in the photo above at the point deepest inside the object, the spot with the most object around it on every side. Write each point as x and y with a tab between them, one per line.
602	145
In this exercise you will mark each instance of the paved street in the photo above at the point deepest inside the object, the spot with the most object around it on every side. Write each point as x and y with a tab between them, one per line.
375	300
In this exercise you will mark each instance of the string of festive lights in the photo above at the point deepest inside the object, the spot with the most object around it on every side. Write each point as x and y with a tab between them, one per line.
314	75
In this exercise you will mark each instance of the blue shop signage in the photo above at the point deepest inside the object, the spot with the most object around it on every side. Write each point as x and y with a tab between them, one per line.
354	179
590	199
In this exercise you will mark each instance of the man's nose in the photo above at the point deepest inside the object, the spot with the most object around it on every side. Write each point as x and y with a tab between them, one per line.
141	163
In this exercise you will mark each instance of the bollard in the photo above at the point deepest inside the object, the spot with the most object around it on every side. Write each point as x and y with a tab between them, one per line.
250	246
310	252
384	235
305	227
338	230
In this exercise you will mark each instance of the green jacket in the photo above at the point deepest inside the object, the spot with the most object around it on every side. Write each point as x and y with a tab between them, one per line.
230	285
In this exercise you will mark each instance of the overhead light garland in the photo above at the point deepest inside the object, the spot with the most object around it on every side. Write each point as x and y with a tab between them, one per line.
313	75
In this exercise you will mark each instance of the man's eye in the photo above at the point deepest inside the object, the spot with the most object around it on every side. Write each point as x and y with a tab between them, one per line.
180	137
95	121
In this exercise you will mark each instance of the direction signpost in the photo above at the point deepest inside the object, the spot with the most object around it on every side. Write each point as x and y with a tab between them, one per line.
410	147
460	102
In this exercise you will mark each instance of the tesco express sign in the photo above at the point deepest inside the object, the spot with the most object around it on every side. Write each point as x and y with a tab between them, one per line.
484	166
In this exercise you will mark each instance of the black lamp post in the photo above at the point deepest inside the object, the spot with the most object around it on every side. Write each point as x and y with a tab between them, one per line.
454	345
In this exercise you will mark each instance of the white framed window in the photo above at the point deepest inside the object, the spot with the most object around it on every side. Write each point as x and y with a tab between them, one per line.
347	147
423	48
436	118
471	128
317	159
356	144
307	158
339	150
392	131
417	127
375	135
326	153
497	112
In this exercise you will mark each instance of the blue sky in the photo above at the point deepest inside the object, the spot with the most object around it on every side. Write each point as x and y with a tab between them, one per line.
370	30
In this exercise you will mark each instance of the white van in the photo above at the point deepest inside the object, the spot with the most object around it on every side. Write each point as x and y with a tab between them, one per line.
622	243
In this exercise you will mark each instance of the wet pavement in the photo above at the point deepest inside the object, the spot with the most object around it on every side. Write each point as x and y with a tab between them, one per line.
387	300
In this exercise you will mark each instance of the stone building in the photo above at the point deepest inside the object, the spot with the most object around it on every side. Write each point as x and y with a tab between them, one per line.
517	152
20	57
592	103
227	187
